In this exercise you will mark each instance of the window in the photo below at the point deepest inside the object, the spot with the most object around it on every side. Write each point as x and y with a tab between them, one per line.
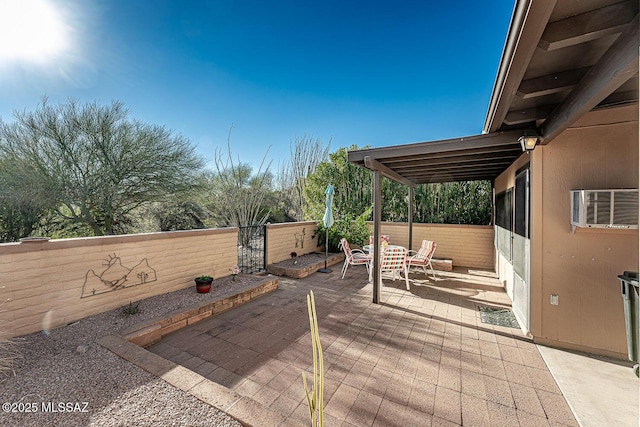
504	209
521	223
504	220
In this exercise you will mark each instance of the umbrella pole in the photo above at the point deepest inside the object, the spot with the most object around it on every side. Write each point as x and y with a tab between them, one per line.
326	253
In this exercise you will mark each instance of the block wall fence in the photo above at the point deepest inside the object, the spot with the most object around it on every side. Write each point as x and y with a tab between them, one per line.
465	245
47	284
287	237
52	283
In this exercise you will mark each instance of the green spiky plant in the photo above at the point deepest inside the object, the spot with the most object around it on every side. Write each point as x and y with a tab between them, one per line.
131	309
315	397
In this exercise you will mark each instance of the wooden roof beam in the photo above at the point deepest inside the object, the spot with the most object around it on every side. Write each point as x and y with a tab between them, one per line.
527	115
466	160
453	177
588	26
455	167
615	67
447	146
620	98
551	83
515	148
375	165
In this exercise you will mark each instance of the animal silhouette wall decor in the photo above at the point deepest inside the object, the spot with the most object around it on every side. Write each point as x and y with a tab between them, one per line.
116	276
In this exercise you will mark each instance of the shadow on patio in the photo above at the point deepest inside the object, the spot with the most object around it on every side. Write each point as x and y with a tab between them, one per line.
421	357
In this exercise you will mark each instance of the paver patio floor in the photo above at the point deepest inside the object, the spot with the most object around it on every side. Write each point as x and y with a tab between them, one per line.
421	357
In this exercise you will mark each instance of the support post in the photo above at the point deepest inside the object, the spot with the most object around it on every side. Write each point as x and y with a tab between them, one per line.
377	213
410	218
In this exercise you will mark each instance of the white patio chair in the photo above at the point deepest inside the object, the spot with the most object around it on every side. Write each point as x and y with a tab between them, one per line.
383	238
353	257
394	259
423	257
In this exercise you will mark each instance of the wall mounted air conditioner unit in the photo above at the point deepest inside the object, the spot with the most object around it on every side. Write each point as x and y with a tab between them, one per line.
615	209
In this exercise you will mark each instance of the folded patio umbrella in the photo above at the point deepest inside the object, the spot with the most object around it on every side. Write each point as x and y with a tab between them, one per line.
328	222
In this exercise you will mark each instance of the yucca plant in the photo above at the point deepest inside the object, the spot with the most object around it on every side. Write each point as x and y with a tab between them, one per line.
315	397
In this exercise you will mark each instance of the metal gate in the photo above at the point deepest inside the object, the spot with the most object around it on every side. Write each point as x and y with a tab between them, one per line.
252	248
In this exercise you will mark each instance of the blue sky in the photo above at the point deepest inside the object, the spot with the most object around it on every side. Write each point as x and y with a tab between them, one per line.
364	73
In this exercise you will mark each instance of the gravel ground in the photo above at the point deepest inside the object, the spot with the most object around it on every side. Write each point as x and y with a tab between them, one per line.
67	367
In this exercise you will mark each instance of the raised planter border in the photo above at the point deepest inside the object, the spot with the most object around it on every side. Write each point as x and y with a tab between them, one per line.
299	273
129	344
442	264
151	331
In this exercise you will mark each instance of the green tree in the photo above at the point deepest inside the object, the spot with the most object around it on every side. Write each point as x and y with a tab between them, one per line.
452	203
354	228
179	215
23	200
99	165
352	185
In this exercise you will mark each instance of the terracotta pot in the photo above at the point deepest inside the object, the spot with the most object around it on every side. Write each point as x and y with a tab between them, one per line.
203	286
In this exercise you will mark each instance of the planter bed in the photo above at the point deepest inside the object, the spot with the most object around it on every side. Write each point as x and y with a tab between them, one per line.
248	288
305	265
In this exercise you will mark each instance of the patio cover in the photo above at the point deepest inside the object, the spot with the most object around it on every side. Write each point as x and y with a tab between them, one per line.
479	157
561	60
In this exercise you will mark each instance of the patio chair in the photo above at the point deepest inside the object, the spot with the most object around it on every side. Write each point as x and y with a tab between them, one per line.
394	259
353	257
383	238
423	257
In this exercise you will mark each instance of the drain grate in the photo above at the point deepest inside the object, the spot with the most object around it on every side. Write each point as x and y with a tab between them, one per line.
498	317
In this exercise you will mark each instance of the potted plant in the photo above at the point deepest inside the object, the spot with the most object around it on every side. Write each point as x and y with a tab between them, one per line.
203	284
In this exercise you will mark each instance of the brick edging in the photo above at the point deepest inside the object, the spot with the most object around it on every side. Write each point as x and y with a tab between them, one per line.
299	273
131	342
147	333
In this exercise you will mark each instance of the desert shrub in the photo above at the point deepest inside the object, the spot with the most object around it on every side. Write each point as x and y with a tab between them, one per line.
8	353
354	228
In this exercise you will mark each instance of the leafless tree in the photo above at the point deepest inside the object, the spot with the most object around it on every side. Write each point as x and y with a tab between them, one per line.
237	194
306	154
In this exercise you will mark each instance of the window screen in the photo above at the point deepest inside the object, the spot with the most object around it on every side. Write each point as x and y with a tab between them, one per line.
521	223
504	209
504	220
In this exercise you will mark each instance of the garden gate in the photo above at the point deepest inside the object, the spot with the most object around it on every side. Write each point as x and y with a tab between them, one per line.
252	248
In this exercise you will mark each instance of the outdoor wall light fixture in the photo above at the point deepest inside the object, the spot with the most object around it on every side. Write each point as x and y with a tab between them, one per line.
528	141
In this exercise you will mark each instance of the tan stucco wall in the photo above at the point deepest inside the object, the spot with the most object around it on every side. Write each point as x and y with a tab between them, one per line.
41	284
284	238
599	151
466	245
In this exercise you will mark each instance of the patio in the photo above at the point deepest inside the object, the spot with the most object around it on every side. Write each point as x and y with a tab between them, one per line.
421	357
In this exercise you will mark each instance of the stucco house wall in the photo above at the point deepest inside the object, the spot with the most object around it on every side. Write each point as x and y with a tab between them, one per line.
599	151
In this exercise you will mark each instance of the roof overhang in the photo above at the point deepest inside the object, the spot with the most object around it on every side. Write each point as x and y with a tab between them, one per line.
561	59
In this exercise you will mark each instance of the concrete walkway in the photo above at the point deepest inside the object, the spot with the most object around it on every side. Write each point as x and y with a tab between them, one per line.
600	391
421	357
